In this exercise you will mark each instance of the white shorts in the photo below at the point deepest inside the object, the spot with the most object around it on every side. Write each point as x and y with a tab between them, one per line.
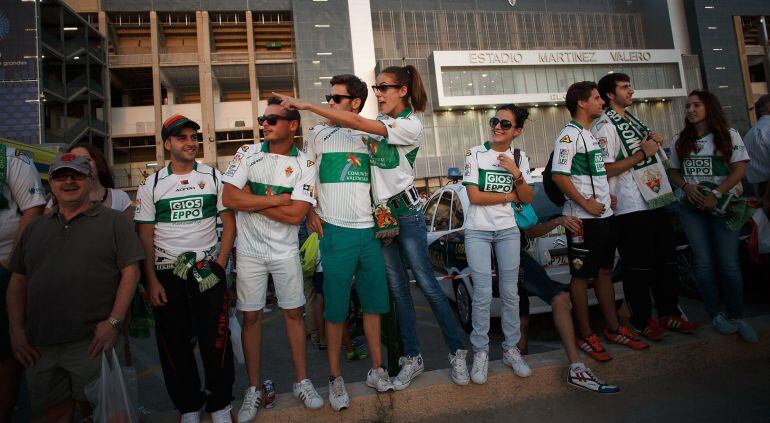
251	284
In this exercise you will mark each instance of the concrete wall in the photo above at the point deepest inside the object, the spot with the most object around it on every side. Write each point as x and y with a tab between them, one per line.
191	5
727	84
124	119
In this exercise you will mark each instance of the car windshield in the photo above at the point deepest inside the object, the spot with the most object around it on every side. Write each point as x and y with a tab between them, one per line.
544	208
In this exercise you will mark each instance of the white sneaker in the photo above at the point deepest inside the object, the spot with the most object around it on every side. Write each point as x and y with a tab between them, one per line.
194	417
581	376
251	400
513	359
378	379
480	367
305	391
338	395
222	416
459	371
411	367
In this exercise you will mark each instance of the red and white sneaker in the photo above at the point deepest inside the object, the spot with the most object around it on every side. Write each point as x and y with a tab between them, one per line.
654	331
624	336
677	324
593	347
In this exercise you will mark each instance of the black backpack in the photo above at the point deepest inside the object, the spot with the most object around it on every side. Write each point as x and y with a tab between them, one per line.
551	190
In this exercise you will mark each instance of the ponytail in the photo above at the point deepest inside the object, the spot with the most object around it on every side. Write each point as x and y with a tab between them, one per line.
409	77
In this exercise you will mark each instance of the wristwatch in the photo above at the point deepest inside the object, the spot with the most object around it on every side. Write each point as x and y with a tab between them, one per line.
116	323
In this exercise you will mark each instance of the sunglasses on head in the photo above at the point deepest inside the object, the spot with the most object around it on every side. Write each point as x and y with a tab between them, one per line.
337	97
504	123
385	87
271	119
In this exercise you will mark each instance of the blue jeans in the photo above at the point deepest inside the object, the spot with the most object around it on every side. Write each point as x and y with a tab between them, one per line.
478	249
713	245
411	247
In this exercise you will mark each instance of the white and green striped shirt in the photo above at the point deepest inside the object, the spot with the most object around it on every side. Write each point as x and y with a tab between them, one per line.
342	161
270	174
392	157
184	210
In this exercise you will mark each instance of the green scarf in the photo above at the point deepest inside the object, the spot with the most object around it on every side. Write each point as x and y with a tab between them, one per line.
201	270
649	175
385	222
3	177
731	211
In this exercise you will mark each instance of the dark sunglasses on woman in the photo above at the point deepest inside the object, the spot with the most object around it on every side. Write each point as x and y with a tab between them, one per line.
504	123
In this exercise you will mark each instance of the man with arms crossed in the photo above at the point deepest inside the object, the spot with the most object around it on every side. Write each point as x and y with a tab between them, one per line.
281	181
344	221
638	179
578	171
176	217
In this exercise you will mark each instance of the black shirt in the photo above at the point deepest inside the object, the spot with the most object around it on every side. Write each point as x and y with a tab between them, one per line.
73	271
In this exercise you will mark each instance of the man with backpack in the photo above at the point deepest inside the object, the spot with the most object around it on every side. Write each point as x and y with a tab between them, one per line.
176	215
577	169
646	243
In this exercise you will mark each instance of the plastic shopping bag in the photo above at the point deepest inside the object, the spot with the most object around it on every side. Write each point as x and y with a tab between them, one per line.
759	242
114	404
235	338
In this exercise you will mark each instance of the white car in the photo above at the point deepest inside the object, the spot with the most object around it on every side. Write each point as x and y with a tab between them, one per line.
445	220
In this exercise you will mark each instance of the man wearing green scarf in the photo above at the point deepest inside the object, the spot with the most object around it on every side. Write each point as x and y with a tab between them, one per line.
637	177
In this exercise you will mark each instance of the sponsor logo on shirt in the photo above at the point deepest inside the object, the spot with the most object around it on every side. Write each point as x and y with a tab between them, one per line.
599	163
497	182
186	209
35	190
308	189
563	157
467	153
697	166
137	205
310	163
566	139
467	169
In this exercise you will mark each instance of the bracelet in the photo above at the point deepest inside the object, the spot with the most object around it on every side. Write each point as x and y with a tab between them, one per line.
643	155
684	185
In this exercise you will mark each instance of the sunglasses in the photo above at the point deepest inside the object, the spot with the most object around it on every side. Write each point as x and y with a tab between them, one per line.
384	87
270	119
504	123
337	97
63	176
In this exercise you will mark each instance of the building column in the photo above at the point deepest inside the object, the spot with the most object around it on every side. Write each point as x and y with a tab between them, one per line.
208	129
362	42
107	108
157	101
253	84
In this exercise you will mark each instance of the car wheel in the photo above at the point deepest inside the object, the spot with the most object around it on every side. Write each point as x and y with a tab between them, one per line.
685	274
463	303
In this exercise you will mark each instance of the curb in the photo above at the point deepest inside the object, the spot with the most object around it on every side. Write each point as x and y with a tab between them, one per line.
434	394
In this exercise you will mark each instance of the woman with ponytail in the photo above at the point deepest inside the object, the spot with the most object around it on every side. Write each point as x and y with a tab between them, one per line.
396	136
708	162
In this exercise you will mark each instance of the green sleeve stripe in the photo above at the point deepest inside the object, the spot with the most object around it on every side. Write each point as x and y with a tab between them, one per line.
560	173
470	183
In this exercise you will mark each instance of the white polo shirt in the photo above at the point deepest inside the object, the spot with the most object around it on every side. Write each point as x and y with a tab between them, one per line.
341	161
392	157
184	210
570	158
623	186
270	174
483	170
21	191
705	165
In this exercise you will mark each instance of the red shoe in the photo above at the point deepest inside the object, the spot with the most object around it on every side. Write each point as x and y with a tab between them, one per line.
625	337
677	324
593	347
654	331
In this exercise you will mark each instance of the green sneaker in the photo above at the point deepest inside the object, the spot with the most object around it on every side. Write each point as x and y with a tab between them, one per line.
355	355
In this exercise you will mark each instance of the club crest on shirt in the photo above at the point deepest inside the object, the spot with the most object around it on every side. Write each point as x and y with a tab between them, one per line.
603	144
201	184
566	139
288	171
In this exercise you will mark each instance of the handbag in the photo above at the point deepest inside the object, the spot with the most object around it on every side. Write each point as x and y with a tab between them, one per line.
525	213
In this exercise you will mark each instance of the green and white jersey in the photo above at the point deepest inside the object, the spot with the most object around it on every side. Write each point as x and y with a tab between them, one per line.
270	174
21	190
483	170
341	158
392	157
705	165
577	153
184	210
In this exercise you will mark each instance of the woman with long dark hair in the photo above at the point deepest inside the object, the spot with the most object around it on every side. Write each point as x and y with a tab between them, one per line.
708	162
395	137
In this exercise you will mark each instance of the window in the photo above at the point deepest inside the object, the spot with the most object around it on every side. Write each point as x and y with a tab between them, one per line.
458	215
430	209
443	210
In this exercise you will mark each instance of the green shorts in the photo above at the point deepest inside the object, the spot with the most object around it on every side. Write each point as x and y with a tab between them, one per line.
347	252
